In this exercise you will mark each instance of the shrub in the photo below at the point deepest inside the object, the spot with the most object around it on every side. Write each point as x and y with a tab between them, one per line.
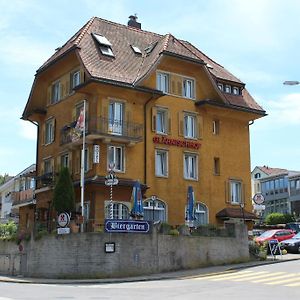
279	218
8	230
174	232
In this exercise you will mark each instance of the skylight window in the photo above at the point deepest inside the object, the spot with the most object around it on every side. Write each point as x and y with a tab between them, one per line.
104	44
149	49
136	49
102	40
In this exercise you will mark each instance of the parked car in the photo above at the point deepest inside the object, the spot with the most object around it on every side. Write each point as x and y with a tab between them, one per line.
294	226
292	245
275	234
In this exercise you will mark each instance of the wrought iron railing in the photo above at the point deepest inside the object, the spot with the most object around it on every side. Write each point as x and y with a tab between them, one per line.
103	127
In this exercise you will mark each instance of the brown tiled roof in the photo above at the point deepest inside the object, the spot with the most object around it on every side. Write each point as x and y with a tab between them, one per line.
231	212
130	68
273	171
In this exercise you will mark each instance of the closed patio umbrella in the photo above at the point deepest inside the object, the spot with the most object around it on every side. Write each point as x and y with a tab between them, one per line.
190	217
138	208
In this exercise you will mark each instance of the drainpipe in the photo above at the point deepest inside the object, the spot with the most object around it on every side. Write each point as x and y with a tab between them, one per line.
36	169
251	122
145	141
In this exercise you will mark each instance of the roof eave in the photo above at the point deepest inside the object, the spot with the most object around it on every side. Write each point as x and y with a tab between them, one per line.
183	57
231	106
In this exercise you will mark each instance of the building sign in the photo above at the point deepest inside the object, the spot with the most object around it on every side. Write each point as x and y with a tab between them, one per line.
96	154
175	142
127	226
63	230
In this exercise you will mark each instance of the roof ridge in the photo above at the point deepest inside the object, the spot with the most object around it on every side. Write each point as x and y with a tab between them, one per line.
167	39
129	27
84	29
202	53
180	41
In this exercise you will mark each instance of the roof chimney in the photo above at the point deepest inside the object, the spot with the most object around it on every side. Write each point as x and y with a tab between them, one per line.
133	23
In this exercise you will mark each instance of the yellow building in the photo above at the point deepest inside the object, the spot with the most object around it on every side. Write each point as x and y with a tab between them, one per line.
163	112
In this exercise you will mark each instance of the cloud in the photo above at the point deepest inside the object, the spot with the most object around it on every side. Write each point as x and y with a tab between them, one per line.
27	130
286	110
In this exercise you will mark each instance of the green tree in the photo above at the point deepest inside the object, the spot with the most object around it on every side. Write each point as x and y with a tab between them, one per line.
278	218
64	195
4	178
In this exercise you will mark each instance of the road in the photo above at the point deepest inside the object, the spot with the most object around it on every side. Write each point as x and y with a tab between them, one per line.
275	281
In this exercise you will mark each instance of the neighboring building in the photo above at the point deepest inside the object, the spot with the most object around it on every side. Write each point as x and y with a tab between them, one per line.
6	190
273	183
17	192
23	196
159	109
294	191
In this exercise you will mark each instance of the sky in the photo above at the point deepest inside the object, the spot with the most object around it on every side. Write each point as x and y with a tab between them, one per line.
258	41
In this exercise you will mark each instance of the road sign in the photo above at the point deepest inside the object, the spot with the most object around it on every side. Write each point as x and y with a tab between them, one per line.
259	207
258	198
63	219
110	181
63	230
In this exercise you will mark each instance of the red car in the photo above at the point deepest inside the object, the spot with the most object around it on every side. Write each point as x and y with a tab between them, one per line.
275	234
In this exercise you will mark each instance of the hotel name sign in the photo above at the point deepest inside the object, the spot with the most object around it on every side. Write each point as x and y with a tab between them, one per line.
175	142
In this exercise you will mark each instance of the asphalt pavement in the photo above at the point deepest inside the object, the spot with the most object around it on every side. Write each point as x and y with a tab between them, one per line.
206	271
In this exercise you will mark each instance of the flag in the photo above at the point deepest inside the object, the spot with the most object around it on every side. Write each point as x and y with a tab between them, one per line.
79	127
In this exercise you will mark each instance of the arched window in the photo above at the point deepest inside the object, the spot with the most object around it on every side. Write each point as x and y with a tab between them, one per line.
155	210
201	214
120	211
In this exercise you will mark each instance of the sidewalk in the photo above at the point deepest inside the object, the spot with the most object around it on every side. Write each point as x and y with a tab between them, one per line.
207	271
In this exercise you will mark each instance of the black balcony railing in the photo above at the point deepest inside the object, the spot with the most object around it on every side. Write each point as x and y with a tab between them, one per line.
46	179
103	128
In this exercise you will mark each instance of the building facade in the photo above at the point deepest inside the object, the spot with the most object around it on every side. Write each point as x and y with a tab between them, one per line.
280	188
159	109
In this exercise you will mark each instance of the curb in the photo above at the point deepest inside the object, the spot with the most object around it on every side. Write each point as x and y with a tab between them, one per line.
162	276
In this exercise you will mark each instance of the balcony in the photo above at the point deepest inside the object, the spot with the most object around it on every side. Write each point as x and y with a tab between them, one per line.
105	129
45	180
22	198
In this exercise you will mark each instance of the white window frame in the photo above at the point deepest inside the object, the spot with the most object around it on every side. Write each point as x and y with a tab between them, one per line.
76	80
163	82
49	131
188	88
159	206
190	126
228	89
190	166
164	119
216	127
117	210
116	122
106	50
163	170
235	192
199	210
122	157
235	90
55	92
221	86
65	160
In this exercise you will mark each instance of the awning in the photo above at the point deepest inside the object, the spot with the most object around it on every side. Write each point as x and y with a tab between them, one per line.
240	213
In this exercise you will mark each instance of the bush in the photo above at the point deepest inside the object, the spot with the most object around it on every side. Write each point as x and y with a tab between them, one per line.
174	232
8	230
165	228
278	218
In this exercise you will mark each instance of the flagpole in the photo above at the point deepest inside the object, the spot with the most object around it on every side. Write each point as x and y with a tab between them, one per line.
82	168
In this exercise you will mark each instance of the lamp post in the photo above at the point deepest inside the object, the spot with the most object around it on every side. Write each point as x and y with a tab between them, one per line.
153	199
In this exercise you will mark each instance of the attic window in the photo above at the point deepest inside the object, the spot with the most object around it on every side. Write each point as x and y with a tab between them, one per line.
149	49
104	44
136	49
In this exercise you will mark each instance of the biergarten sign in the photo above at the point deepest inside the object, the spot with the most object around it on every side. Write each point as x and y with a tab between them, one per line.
128	226
175	142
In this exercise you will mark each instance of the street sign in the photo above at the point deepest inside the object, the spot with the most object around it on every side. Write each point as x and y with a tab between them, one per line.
128	226
274	247
63	230
111	181
259	207
63	219
258	198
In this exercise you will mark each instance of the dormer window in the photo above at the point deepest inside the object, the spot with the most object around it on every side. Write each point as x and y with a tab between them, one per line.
228	89
75	79
104	44
235	90
220	86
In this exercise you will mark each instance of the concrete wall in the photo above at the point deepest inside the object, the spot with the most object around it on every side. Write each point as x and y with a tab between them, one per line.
83	256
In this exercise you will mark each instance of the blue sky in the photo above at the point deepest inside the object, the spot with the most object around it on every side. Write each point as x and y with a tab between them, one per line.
257	40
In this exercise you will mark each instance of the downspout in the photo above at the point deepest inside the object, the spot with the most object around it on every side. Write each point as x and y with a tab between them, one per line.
145	141
36	170
251	122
